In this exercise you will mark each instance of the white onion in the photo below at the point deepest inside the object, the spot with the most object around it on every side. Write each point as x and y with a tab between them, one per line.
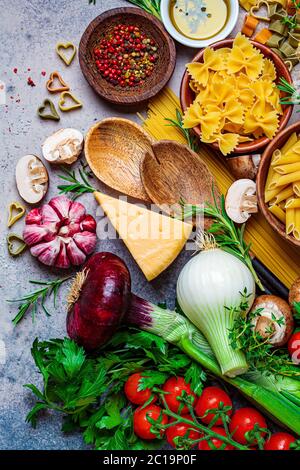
209	282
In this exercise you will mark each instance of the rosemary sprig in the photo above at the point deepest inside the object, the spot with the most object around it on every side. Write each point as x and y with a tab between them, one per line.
79	185
190	138
293	97
38	298
227	235
151	6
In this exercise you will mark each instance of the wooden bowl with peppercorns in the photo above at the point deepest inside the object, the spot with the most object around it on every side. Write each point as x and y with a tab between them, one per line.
127	56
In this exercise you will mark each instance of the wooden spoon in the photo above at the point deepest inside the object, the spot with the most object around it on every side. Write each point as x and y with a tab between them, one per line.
114	150
173	172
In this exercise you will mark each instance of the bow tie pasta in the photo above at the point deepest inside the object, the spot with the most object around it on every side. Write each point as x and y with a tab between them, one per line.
237	99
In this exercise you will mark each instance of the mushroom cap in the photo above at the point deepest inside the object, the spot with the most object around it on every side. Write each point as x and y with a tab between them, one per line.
244	166
294	294
272	305
63	147
32	179
236	202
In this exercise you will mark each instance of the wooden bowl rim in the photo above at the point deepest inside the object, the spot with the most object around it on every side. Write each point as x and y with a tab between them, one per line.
147	94
260	181
256	145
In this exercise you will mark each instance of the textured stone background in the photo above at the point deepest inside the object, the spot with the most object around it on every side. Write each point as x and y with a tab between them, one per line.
29	31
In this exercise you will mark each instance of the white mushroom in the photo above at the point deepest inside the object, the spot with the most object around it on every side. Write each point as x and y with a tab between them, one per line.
32	179
63	147
241	200
274	320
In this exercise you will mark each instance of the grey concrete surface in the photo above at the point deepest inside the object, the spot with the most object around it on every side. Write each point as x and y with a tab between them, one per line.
29	31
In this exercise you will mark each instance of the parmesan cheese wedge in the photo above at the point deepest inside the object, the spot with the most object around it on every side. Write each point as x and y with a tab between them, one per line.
153	239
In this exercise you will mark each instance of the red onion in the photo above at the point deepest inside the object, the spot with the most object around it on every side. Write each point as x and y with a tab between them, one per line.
98	300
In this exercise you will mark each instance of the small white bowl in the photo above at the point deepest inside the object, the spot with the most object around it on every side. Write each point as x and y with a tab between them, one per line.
165	14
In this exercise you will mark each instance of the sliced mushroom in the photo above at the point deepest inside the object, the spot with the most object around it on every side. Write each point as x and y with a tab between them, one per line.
63	147
32	179
274	320
241	200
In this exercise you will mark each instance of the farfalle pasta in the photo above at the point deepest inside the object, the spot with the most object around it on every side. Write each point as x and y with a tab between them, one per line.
237	99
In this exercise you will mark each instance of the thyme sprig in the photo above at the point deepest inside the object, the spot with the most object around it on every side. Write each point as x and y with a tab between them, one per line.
227	235
178	123
33	300
260	354
78	185
293	97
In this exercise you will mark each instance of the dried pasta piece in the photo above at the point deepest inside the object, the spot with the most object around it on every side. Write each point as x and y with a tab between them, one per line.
192	116
245	60
248	4
227	142
278	212
263	36
269	71
200	71
268	123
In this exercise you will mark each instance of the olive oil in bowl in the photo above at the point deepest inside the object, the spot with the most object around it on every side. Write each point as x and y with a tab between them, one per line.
199	19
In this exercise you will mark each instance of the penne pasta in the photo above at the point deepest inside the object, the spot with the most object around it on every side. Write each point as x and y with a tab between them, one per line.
284	194
278	212
283	160
285	179
296	231
293	203
296	188
290	221
292	140
286	169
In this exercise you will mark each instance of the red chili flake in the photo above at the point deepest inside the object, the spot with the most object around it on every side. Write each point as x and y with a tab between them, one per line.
15	70
29	69
43	72
30	82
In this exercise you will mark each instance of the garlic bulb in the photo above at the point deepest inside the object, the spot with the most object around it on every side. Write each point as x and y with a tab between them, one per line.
60	233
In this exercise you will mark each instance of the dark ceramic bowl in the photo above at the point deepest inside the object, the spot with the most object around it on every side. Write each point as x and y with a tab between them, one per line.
153	28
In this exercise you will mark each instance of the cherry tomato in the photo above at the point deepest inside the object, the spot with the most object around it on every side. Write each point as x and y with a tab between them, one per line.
174	388
279	441
181	429
133	394
243	421
210	399
142	426
204	445
294	347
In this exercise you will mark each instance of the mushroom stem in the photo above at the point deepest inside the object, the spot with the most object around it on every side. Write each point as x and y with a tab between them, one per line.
265	327
249	204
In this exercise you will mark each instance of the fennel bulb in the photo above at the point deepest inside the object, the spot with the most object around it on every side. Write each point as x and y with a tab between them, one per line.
210	291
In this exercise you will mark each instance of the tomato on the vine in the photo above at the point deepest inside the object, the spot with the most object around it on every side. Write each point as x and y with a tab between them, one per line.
279	441
244	421
132	392
141	425
214	441
294	347
181	430
210	399
173	389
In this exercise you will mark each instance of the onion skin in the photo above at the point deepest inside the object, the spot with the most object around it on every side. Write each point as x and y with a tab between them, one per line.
102	302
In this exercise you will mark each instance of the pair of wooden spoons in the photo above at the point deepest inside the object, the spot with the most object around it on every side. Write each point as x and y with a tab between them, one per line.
122	155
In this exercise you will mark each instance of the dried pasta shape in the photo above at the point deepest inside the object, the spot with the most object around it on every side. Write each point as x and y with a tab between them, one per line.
227	142
200	71
268	71
210	123
268	123
248	4
192	117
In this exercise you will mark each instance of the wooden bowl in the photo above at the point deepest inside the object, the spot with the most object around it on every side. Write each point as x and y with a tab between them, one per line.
173	172
187	95
277	143
162	72
114	150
